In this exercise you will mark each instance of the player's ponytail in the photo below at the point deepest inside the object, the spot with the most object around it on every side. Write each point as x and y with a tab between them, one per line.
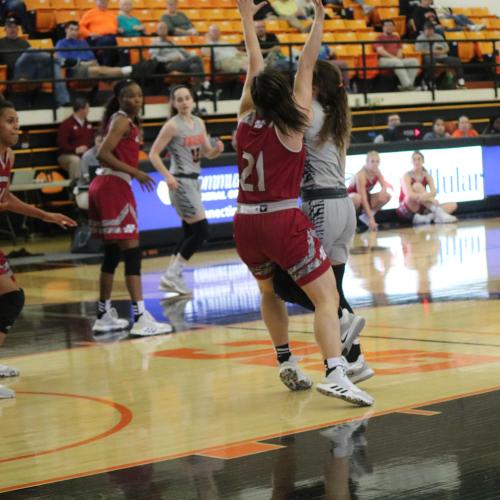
333	99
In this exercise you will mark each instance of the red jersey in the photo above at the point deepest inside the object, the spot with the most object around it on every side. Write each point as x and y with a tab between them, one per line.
127	150
413	179
370	184
5	168
268	170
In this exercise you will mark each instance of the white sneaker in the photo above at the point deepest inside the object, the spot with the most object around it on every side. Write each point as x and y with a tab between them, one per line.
359	370
6	393
350	328
110	322
146	326
337	385
444	218
292	376
423	219
171	281
9	371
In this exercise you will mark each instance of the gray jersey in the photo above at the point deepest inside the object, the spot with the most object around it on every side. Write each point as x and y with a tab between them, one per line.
186	147
325	164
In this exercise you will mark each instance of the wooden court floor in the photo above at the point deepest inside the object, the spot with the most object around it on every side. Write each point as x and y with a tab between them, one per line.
201	413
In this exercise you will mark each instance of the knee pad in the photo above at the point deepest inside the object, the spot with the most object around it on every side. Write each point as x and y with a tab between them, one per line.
11	305
132	258
199	233
111	258
287	290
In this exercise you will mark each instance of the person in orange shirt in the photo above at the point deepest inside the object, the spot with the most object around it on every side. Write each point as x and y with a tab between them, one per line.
464	129
100	27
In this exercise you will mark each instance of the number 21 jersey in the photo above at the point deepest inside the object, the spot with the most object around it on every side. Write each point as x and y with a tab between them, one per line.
269	171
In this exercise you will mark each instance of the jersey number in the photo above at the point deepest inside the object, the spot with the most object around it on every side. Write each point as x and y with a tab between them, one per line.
247	172
195	153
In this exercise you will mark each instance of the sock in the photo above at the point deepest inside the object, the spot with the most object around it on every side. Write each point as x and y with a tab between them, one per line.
126	70
354	352
102	307
138	309
283	353
332	363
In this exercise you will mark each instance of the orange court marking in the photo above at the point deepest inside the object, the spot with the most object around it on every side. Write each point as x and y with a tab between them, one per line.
174	456
424	413
239	450
125	418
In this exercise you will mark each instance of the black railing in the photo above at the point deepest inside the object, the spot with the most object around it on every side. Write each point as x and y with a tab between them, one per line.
362	67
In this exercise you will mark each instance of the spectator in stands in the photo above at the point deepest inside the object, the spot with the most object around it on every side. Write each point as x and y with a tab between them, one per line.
27	64
423	14
227	59
100	27
465	129
289	11
177	22
440	55
438	131
493	127
128	25
390	55
14	8
390	135
11	41
81	61
271	50
75	136
174	58
461	20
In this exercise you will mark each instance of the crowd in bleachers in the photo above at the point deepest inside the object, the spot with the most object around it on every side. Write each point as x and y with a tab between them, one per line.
95	39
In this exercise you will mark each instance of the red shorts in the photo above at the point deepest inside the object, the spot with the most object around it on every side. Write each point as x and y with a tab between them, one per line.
112	209
4	266
285	238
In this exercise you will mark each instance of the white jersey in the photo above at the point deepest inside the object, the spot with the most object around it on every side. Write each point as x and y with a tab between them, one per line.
325	164
186	147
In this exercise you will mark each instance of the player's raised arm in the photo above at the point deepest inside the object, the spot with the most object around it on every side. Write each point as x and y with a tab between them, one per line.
255	60
302	89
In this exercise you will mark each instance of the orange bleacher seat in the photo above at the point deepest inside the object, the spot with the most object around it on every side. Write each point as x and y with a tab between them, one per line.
150	27
125	41
481	48
227	4
492	34
387	12
214	15
195	14
145	15
45	21
233	38
85	4
494	24
64	16
231	14
3	76
138	4
37	4
356	25
481	12
201	26
203	4
465	49
113	4
371	62
277	26
368	36
334	25
155	4
62	5
447	23
230	27
345	37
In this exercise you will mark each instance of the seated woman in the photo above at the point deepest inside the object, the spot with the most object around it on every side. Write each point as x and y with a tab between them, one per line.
361	185
416	203
128	25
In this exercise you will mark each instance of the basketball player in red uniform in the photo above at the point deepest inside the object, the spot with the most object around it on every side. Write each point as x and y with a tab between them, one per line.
11	296
417	204
269	229
113	211
360	189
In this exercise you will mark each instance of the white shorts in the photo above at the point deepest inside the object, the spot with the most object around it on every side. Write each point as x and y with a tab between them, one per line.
186	199
334	220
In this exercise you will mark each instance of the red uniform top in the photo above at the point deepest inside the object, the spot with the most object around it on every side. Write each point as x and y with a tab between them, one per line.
5	168
413	179
370	184
268	170
127	150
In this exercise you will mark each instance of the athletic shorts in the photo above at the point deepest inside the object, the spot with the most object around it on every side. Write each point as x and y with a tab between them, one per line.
406	215
334	220
112	209
4	266
186	199
285	238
